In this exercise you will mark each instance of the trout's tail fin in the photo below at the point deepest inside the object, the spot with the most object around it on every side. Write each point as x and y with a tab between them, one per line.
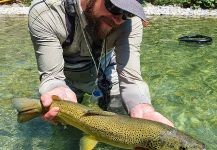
27	108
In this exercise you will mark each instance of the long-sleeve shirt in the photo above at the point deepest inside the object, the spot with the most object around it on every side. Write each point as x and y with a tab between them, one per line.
49	27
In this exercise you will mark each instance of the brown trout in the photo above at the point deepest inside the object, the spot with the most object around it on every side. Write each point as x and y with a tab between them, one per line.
110	128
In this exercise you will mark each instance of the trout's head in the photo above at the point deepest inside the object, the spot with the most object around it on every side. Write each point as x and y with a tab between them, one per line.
181	141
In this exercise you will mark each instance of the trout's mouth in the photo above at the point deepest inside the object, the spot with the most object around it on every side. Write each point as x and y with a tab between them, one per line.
203	147
27	114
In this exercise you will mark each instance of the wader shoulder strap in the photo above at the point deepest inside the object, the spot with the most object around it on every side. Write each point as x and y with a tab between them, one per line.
71	13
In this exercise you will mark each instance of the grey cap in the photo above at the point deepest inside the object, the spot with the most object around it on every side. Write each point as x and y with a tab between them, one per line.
132	6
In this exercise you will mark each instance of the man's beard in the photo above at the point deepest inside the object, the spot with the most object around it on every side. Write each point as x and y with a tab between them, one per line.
94	23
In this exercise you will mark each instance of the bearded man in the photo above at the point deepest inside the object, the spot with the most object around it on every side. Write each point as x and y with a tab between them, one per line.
90	46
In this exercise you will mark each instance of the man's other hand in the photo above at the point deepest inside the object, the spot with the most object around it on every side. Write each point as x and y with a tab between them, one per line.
46	99
146	111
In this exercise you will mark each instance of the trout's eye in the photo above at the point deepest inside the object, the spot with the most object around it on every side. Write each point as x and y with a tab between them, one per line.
182	148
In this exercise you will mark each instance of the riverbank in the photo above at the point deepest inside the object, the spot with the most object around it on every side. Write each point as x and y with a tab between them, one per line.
150	10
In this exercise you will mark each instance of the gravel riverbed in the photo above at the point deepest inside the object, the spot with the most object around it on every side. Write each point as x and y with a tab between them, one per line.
150	10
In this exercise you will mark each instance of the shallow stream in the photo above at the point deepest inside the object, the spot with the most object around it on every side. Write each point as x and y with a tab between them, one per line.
182	79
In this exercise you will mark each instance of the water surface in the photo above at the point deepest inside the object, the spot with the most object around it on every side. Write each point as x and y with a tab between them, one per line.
182	79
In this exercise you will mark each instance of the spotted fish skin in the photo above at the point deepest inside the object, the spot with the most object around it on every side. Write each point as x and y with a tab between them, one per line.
117	130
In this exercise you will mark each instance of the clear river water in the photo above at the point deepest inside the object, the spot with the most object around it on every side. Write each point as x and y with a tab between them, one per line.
182	79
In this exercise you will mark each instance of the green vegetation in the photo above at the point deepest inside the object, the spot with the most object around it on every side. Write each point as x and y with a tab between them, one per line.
26	2
8	2
205	4
5	1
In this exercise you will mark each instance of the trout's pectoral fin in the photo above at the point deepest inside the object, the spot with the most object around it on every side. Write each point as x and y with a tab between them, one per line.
87	142
99	113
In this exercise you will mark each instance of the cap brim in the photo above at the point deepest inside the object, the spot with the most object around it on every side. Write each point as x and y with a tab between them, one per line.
132	6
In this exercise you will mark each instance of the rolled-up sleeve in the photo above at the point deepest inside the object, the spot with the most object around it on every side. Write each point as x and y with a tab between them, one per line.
48	50
133	89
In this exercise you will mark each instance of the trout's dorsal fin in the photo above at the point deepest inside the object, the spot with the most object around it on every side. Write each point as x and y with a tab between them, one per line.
87	142
99	113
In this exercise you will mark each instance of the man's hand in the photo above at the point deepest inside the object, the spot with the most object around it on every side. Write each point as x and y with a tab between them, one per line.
146	111
62	92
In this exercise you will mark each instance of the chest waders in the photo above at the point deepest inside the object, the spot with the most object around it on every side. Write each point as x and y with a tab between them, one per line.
103	83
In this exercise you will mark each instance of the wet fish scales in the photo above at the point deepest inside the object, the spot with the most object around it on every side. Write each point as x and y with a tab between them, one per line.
117	130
